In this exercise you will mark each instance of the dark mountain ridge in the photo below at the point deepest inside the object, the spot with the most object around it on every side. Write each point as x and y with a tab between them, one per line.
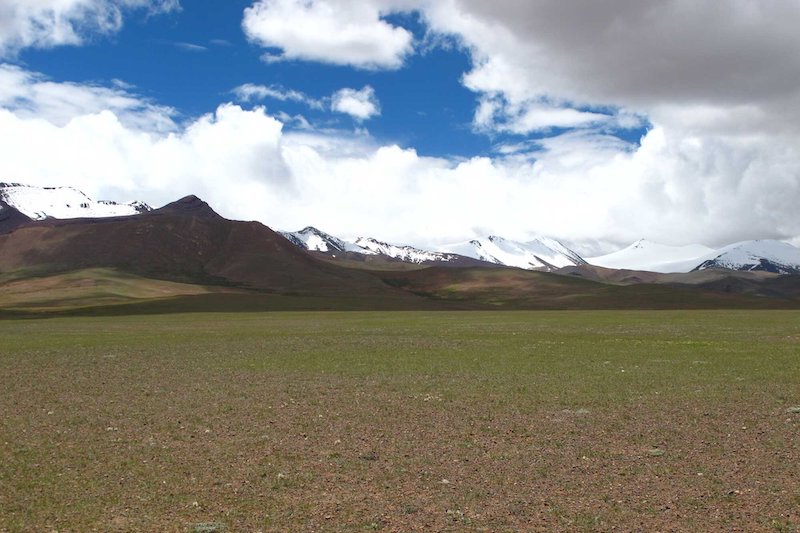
183	241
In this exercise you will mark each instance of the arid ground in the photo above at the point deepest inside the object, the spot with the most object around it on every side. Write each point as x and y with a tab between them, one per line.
402	421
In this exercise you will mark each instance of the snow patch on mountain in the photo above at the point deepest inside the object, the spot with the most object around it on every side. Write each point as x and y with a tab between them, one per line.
654	257
759	255
539	253
403	253
316	240
63	202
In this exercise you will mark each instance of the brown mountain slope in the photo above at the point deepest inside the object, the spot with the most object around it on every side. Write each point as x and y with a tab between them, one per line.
184	241
630	277
748	283
512	288
11	218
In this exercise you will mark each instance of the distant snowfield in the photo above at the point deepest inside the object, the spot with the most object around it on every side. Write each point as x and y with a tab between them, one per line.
746	255
39	203
655	257
541	252
402	252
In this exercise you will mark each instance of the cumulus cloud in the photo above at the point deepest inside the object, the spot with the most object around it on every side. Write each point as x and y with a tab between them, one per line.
361	105
734	62
638	53
717	83
48	23
110	157
495	113
579	186
341	32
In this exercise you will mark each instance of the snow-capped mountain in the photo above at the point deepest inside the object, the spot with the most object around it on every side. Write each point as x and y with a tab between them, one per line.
315	240
39	203
408	254
654	257
539	253
760	255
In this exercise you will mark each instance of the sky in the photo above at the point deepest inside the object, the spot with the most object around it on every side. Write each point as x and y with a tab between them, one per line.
419	122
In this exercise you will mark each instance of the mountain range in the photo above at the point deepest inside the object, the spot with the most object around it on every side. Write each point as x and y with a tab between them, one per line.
364	249
538	254
550	255
184	255
759	255
20	203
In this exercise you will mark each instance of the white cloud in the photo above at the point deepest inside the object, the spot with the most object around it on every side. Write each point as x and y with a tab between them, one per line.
734	60
32	95
341	32
718	82
191	47
688	184
48	23
494	113
361	105
221	156
250	92
298	121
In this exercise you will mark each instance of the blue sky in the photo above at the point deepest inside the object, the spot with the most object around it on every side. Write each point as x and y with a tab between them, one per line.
418	121
192	59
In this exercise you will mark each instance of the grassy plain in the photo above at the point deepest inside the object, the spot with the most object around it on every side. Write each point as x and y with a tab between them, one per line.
402	421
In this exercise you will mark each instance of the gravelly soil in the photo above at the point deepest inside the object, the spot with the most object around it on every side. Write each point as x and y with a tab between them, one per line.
402	422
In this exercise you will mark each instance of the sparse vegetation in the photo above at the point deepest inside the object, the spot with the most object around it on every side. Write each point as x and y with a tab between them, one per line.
501	421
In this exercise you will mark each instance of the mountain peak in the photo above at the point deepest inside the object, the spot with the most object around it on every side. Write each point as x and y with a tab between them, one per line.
313	230
766	255
405	253
188	205
539	253
316	240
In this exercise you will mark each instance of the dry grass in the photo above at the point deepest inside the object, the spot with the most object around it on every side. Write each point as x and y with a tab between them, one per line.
518	421
89	287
